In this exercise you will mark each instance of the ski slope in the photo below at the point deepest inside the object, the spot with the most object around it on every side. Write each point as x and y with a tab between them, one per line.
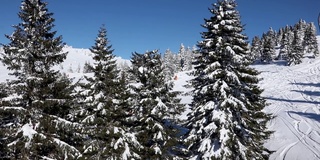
294	97
293	94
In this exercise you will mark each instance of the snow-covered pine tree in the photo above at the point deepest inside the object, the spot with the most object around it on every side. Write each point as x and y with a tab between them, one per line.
188	59
156	107
169	68
40	102
4	117
87	67
286	43
182	56
268	46
310	40
227	121
296	53
255	48
273	36
279	36
106	107
301	25
185	58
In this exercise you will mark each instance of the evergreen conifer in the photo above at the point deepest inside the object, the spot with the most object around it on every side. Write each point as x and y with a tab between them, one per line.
268	46
106	105
156	107
41	100
296	53
310	40
286	43
227	121
255	48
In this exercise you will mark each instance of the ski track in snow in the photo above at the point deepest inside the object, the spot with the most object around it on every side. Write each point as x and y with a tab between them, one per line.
293	95
294	98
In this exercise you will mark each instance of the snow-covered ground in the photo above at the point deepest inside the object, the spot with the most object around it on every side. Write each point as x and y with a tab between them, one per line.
292	92
72	66
294	97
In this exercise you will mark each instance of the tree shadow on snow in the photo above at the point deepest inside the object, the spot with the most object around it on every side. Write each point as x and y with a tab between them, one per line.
280	63
277	62
292	100
313	116
307	84
308	93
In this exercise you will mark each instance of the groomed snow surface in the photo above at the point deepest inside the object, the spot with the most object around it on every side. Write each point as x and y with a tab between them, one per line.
292	92
294	97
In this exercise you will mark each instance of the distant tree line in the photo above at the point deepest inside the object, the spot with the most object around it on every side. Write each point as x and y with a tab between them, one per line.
290	43
131	113
177	62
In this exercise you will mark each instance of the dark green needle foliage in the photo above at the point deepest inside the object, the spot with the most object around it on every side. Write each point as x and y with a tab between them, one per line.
106	107
156	107
38	105
227	121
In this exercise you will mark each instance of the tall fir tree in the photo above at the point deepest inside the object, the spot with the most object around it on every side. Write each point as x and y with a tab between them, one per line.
280	36
286	43
255	48
296	53
227	121
156	107
169	67
41	101
182	56
106	107
273	36
268	46
310	40
5	116
188	59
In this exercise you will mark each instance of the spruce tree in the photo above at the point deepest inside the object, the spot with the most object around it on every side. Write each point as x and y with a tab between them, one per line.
156	107
310	40
168	65
255	48
188	59
286	43
106	107
268	46
5	116
227	121
40	102
273	36
280	36
296	53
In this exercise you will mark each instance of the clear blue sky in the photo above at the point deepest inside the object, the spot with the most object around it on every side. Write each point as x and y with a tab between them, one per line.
140	25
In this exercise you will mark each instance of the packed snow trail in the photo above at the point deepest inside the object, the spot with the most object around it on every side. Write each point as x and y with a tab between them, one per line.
293	94
182	84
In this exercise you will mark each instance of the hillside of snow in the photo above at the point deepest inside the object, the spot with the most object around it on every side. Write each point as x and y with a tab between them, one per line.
72	66
293	94
294	98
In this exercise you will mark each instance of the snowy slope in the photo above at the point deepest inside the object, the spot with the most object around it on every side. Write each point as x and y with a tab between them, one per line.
294	97
292	92
72	66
